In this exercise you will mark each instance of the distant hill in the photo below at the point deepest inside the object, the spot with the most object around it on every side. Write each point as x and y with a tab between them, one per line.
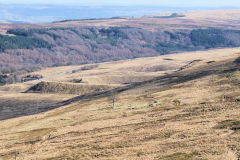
33	13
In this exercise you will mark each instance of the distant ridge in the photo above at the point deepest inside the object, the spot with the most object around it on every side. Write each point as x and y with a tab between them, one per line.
89	19
165	15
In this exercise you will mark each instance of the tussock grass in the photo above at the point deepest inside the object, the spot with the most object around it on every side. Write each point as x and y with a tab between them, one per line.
180	156
147	121
229	124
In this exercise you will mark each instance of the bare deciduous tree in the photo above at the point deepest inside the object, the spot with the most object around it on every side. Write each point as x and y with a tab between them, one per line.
113	98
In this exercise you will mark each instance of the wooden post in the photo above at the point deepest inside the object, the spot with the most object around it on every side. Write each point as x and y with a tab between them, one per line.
15	154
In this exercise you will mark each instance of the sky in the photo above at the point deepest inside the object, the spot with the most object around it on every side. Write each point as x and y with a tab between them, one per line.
179	3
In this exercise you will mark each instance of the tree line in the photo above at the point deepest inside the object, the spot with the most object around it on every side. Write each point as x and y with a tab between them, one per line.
31	49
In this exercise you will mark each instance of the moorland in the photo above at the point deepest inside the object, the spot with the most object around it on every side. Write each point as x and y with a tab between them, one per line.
156	87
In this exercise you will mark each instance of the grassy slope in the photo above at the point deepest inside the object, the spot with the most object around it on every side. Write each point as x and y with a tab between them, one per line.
177	116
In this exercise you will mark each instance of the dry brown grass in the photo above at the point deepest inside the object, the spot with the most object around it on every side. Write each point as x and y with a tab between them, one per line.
66	88
145	123
214	18
136	70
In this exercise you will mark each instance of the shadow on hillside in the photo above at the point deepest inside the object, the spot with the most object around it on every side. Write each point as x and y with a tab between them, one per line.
13	109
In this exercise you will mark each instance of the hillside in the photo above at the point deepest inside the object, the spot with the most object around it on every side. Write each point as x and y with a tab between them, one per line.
159	87
30	47
187	112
